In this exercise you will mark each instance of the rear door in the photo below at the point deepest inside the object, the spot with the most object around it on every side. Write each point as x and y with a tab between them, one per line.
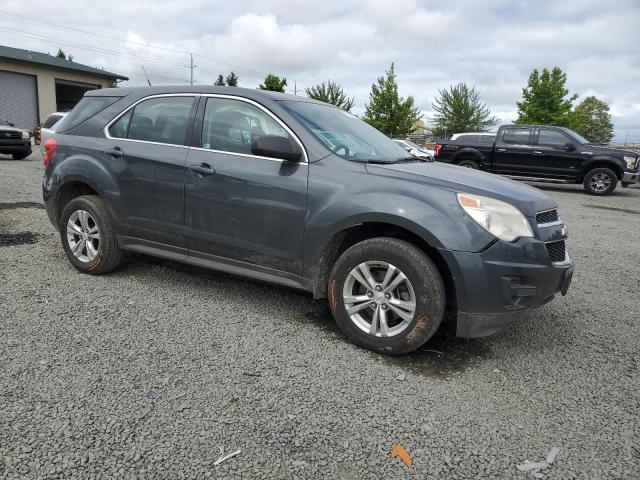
556	155
512	152
146	149
243	209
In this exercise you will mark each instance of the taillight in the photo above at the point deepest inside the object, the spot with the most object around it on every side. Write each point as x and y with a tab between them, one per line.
436	149
49	149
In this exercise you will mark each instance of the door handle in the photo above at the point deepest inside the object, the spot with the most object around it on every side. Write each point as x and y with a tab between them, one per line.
114	152
501	149
537	152
202	169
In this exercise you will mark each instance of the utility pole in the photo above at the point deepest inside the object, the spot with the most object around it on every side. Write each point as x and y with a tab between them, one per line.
191	81
295	88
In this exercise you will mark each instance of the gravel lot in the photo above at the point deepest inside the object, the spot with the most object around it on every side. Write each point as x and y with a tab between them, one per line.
147	372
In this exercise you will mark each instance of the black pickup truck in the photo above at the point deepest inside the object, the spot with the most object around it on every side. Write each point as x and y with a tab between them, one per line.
547	154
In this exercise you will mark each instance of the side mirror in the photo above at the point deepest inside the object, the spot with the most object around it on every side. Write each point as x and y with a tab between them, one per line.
11	124
569	146
408	149
275	147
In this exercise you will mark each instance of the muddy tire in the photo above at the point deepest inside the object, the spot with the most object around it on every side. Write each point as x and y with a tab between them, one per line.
386	295
88	237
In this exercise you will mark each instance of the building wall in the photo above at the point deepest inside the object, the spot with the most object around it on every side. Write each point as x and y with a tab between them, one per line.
46	82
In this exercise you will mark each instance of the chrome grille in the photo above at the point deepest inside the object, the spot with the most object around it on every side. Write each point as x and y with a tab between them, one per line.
547	217
6	134
556	251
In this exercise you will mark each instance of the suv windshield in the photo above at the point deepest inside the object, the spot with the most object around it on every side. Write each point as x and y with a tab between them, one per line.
345	134
4	123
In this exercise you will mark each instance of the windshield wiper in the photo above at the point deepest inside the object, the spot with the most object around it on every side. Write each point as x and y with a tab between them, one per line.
409	159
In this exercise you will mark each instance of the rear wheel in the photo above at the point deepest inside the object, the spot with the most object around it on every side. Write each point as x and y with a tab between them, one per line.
600	181
469	164
88	237
386	295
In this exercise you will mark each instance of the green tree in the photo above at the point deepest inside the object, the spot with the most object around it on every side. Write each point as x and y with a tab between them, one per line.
592	120
387	111
459	109
274	83
220	81
232	80
330	92
544	100
61	54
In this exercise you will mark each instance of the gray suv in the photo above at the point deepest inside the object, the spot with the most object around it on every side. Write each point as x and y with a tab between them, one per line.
292	191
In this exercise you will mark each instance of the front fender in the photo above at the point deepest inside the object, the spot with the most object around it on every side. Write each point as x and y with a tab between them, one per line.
614	163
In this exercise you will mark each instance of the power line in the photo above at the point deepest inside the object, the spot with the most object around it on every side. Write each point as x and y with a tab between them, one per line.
89	48
133	42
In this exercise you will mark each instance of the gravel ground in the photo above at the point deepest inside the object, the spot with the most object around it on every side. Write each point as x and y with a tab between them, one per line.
147	372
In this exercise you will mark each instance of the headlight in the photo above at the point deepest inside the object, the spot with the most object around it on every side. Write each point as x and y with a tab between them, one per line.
631	162
25	135
499	218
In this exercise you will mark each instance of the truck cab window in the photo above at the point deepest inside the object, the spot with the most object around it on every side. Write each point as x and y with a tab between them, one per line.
516	136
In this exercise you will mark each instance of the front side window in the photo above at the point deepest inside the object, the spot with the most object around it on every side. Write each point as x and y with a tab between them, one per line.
516	136
345	134
86	108
159	120
231	125
551	138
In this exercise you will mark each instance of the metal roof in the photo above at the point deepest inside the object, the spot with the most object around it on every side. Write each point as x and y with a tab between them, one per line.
44	59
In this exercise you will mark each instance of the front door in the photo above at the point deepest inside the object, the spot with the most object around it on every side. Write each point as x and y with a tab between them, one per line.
557	155
241	207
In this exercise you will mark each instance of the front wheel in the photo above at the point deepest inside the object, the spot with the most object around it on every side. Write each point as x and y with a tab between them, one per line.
600	181
20	156
386	295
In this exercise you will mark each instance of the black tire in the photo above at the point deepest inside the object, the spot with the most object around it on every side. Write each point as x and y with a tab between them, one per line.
424	278
469	164
593	181
20	156
109	254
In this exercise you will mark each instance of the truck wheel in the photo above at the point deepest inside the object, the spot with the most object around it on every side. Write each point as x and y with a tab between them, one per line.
469	164
88	237
600	181
386	295
20	156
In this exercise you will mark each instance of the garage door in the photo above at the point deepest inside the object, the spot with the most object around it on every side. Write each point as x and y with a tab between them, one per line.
18	100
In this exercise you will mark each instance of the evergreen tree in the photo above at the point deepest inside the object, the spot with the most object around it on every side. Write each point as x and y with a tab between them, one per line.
332	93
61	54
220	81
459	109
274	83
232	80
544	100
387	111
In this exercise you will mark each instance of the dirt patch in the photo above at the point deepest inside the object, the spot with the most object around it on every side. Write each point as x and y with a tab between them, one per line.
11	206
614	209
13	239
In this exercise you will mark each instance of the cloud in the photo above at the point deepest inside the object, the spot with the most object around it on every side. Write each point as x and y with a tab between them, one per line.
492	45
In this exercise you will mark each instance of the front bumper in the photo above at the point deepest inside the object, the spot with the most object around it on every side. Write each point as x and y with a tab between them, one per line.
495	287
15	146
630	177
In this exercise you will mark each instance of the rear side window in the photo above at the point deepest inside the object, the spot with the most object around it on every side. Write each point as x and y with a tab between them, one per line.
552	138
85	109
51	121
160	120
487	138
516	136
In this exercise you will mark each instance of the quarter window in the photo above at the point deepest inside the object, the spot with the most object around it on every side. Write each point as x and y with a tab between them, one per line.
231	125
551	138
160	120
51	121
516	136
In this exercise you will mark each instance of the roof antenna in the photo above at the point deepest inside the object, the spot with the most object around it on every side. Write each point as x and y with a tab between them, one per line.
145	74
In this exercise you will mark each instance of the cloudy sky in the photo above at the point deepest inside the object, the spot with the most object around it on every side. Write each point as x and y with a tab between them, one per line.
493	45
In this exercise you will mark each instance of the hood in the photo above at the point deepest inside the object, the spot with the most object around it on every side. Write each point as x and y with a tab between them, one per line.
6	128
459	179
602	150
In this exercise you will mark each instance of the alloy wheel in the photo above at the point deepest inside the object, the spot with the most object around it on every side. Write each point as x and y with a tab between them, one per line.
379	299
600	182
83	236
